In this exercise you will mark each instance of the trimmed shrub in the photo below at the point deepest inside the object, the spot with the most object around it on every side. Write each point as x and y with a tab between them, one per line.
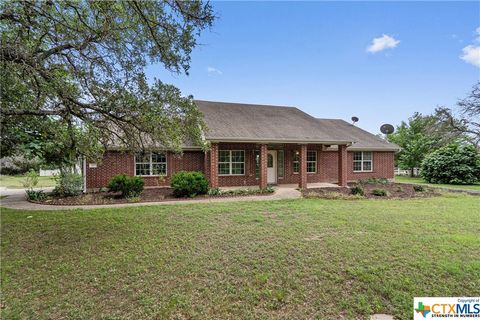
130	187
69	184
36	195
357	190
380	192
189	184
452	164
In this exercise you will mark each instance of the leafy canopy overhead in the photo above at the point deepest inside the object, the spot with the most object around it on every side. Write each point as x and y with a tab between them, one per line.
73	73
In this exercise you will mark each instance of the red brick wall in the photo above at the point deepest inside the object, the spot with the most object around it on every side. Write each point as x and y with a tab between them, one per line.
327	166
115	162
248	179
383	166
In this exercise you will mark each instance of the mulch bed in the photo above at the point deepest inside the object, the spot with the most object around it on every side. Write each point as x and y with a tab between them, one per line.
148	195
394	191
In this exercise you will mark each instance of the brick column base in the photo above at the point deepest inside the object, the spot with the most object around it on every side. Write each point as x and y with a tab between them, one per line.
263	166
342	165
302	184
213	170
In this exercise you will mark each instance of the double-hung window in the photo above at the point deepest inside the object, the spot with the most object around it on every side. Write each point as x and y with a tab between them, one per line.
363	161
151	164
311	161
231	162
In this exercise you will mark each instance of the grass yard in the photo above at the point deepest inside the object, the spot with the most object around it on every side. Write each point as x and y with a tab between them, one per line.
290	259
16	182
418	180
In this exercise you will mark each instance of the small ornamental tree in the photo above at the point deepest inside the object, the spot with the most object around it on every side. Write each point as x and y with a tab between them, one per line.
452	164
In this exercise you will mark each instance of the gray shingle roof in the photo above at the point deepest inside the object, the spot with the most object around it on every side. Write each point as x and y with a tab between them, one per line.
237	122
262	123
363	140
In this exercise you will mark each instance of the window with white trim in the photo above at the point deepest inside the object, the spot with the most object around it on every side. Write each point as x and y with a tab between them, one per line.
311	161
151	164
231	162
363	161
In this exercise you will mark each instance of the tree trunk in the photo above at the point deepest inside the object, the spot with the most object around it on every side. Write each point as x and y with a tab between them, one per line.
412	170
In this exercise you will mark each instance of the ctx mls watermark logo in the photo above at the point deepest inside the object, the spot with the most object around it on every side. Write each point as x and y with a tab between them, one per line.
446	307
423	309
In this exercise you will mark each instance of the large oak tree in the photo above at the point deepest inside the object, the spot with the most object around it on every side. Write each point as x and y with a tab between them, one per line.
73	81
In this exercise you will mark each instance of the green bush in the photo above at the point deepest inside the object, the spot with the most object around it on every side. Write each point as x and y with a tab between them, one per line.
380	192
357	190
189	184
267	189
452	164
130	187
134	199
69	184
214	192
36	195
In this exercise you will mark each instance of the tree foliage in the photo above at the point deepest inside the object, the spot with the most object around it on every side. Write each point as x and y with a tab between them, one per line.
73	81
452	164
465	120
416	139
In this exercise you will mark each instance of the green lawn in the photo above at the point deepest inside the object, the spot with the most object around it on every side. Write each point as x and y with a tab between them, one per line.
419	180
290	259
15	182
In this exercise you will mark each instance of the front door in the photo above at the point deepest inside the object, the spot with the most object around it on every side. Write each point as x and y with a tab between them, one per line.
272	166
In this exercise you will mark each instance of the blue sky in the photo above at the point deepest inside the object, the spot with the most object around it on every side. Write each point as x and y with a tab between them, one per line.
313	55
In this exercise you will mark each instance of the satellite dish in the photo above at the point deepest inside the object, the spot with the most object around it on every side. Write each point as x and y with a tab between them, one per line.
387	128
354	119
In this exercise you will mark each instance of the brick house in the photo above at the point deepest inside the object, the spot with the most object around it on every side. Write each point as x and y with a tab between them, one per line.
256	145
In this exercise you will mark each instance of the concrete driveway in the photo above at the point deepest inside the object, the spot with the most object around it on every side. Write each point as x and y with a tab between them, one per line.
15	199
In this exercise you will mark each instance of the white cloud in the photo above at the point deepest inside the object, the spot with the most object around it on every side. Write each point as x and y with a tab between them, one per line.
212	70
382	43
471	54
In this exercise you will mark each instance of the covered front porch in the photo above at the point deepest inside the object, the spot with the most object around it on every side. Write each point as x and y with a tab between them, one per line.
262	164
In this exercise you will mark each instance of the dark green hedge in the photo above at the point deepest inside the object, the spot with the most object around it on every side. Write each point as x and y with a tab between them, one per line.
452	164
